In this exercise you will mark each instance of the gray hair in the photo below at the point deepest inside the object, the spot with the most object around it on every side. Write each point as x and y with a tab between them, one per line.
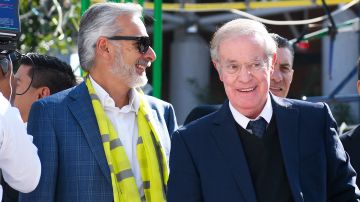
101	20
241	27
282	42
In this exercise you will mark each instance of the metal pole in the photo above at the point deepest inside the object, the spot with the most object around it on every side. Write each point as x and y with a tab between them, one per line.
85	4
157	35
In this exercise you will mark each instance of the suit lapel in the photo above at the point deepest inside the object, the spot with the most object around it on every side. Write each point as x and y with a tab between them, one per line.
82	109
287	125
226	136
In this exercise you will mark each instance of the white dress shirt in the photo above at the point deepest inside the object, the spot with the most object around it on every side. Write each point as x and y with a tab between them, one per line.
243	121
19	160
124	121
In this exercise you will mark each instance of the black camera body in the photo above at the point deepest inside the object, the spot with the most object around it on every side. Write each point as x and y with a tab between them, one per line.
10	26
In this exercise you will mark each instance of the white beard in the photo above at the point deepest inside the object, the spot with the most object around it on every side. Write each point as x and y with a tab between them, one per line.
128	73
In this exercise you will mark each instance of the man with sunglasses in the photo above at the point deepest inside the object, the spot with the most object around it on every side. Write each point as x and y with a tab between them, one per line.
19	162
104	140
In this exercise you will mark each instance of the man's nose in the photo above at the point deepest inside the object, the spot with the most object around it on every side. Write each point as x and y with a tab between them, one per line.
244	74
150	54
276	76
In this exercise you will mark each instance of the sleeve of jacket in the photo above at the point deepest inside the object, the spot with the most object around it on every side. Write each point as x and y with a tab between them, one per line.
341	183
170	119
40	126
184	181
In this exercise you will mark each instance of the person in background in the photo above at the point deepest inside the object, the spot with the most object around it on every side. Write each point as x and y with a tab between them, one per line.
283	69
258	147
351	138
19	161
38	76
104	140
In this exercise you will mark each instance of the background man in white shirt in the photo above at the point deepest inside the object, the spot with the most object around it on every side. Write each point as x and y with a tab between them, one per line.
19	161
38	76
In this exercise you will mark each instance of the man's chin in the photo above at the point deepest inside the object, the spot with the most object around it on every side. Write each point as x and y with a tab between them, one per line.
138	82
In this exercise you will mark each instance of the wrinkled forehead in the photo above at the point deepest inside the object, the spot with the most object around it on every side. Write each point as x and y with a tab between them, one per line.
131	25
284	52
242	47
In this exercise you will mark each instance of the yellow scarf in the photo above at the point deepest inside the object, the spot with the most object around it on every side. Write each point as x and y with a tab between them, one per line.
149	152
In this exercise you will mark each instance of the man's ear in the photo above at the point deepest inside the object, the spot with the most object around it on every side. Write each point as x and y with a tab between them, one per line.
272	67
43	92
217	67
102	46
358	86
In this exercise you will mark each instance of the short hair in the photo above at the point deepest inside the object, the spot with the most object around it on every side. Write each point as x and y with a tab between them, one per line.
241	27
49	71
282	42
101	20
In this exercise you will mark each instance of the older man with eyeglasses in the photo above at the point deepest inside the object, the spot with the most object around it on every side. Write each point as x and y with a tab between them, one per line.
258	147
104	140
19	162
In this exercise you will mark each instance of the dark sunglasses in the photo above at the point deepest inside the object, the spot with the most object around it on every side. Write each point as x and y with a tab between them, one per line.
143	42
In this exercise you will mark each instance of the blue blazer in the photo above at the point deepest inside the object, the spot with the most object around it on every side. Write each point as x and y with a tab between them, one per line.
66	133
207	160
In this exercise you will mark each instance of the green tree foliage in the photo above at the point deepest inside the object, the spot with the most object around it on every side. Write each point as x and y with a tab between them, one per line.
49	25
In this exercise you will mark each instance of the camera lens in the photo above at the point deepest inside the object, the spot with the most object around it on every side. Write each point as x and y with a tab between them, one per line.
4	64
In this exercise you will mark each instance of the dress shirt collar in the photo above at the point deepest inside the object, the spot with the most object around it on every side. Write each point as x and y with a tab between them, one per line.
243	121
108	103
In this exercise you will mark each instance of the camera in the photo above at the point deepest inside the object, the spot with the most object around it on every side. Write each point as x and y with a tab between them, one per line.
10	30
9	24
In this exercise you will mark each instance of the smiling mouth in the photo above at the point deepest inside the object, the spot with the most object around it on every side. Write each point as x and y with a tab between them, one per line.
140	69
276	88
246	90
142	65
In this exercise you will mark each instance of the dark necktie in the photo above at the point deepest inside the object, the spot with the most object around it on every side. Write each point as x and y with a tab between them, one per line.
257	127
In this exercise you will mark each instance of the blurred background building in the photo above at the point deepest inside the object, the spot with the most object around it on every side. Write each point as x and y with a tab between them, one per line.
325	55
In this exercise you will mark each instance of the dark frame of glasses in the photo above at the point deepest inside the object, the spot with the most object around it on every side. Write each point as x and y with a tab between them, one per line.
32	73
31	82
143	42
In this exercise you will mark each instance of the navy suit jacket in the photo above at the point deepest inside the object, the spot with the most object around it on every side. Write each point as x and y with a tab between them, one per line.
207	160
351	142
66	133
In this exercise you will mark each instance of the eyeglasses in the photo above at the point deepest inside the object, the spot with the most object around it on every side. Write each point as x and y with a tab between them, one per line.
143	42
32	69
28	87
251	67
